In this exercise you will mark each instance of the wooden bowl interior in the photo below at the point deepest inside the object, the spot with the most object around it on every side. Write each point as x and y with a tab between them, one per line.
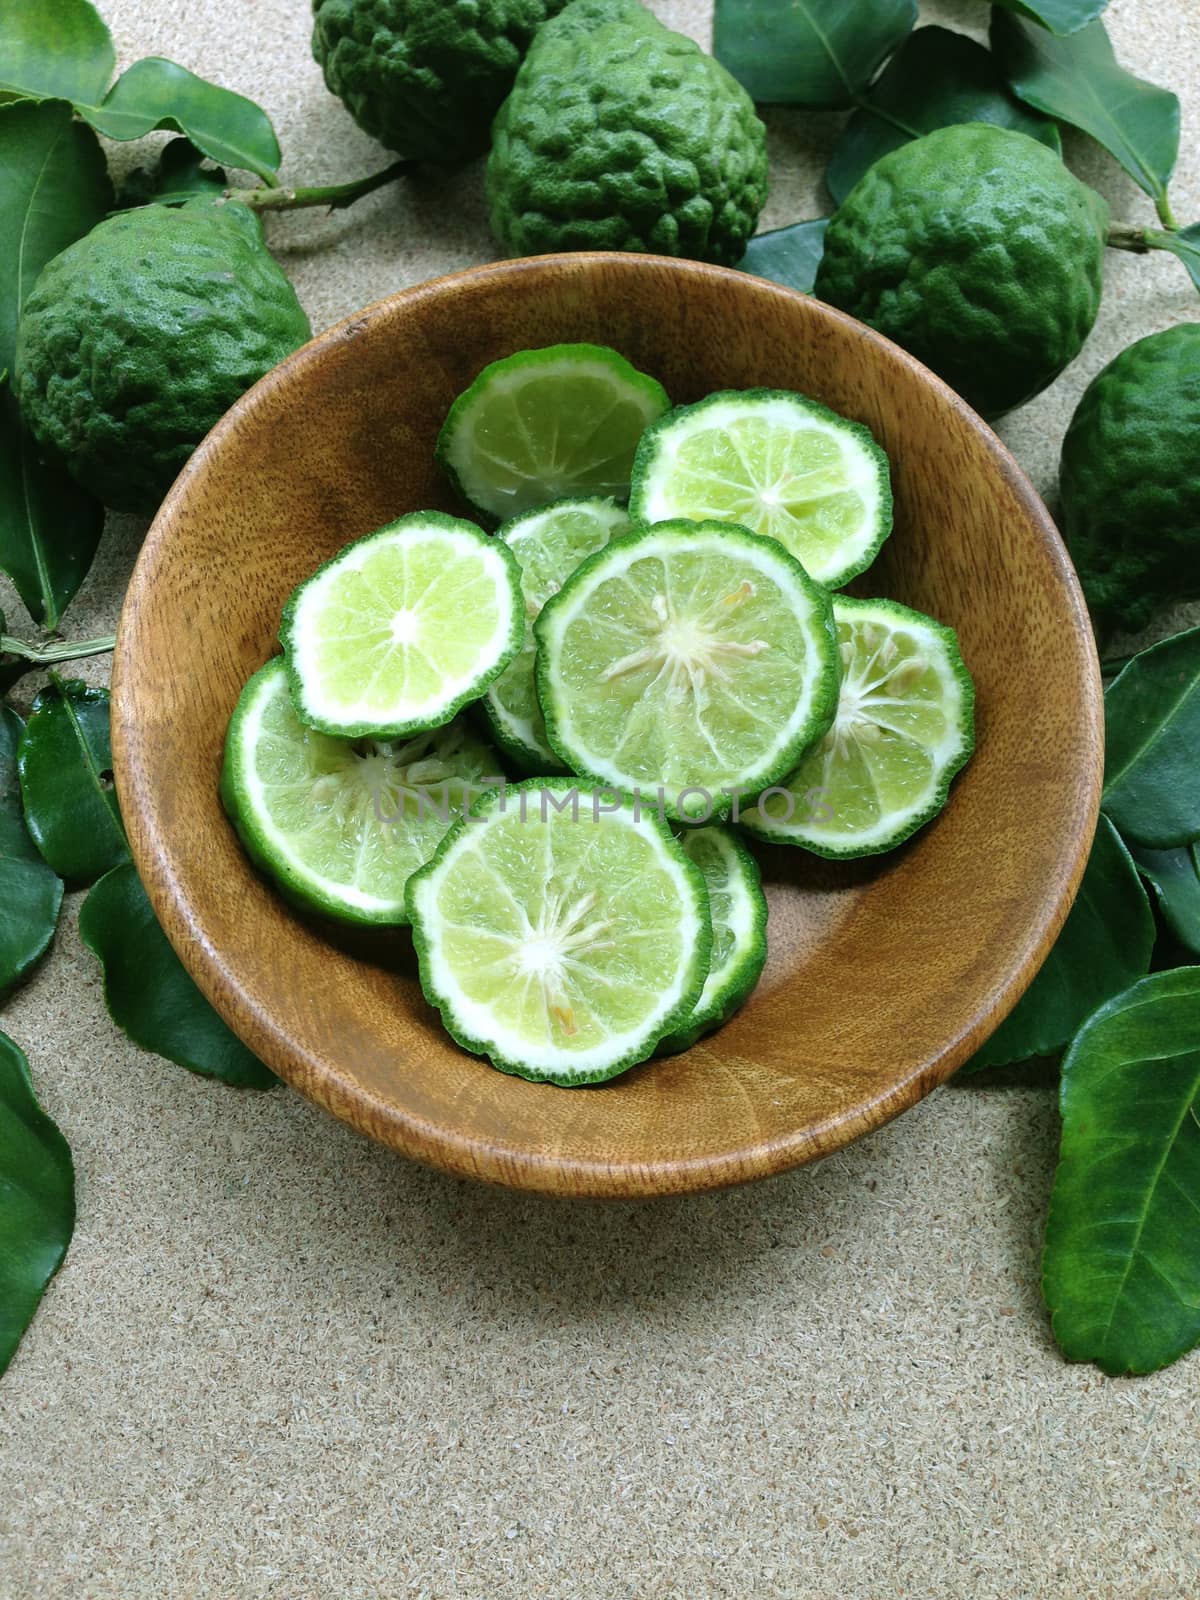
882	975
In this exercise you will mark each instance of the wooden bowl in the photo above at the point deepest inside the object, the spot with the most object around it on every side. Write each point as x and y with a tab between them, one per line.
883	975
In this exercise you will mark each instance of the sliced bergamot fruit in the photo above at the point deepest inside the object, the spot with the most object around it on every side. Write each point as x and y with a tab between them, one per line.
545	424
738	909
777	463
905	725
549	544
691	661
341	824
561	931
401	629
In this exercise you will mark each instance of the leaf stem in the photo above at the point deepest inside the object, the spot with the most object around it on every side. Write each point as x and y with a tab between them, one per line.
864	103
45	655
1165	215
334	195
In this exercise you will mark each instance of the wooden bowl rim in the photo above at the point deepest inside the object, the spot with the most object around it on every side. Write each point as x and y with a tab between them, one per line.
440	1144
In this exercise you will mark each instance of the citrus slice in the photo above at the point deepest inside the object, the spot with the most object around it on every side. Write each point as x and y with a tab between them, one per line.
340	824
402	628
778	464
545	424
549	544
904	726
560	931
692	660
738	909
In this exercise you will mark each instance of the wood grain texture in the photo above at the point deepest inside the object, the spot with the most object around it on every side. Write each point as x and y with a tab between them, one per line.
883	976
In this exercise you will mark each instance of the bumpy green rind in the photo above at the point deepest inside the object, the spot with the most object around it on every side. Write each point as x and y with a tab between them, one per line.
425	77
140	336
398	729
655	436
1130	484
976	250
916	820
444	1004
747	965
621	135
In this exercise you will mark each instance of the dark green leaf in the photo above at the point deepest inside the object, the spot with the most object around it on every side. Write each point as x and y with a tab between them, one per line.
65	763
789	256
1121	1270
1152	733
1174	876
1185	243
158	94
14	835
54	50
49	526
1106	942
30	901
1060	16
808	52
37	1199
150	995
30	893
1077	80
54	188
181	173
935	78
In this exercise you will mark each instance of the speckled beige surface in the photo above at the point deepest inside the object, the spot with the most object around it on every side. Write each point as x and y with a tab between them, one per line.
281	1362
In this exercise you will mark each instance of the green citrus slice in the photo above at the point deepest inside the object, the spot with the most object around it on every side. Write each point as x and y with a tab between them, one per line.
695	658
546	424
904	726
738	909
560	931
340	824
778	464
401	629
549	544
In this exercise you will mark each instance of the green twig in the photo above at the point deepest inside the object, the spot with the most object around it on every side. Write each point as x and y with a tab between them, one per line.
45	655
1126	236
334	195
1165	215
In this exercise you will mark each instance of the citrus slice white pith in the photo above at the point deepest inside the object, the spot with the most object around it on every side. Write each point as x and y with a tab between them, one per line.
545	424
402	628
549	544
904	727
777	463
738	909
341	824
560	932
693	657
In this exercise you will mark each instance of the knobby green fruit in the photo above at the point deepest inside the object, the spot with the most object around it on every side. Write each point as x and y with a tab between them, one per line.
425	77
621	135
138	337
1130	486
976	250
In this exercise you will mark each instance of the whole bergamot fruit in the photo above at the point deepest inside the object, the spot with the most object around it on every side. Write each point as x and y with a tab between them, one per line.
976	250
425	77
139	336
1130	485
621	135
